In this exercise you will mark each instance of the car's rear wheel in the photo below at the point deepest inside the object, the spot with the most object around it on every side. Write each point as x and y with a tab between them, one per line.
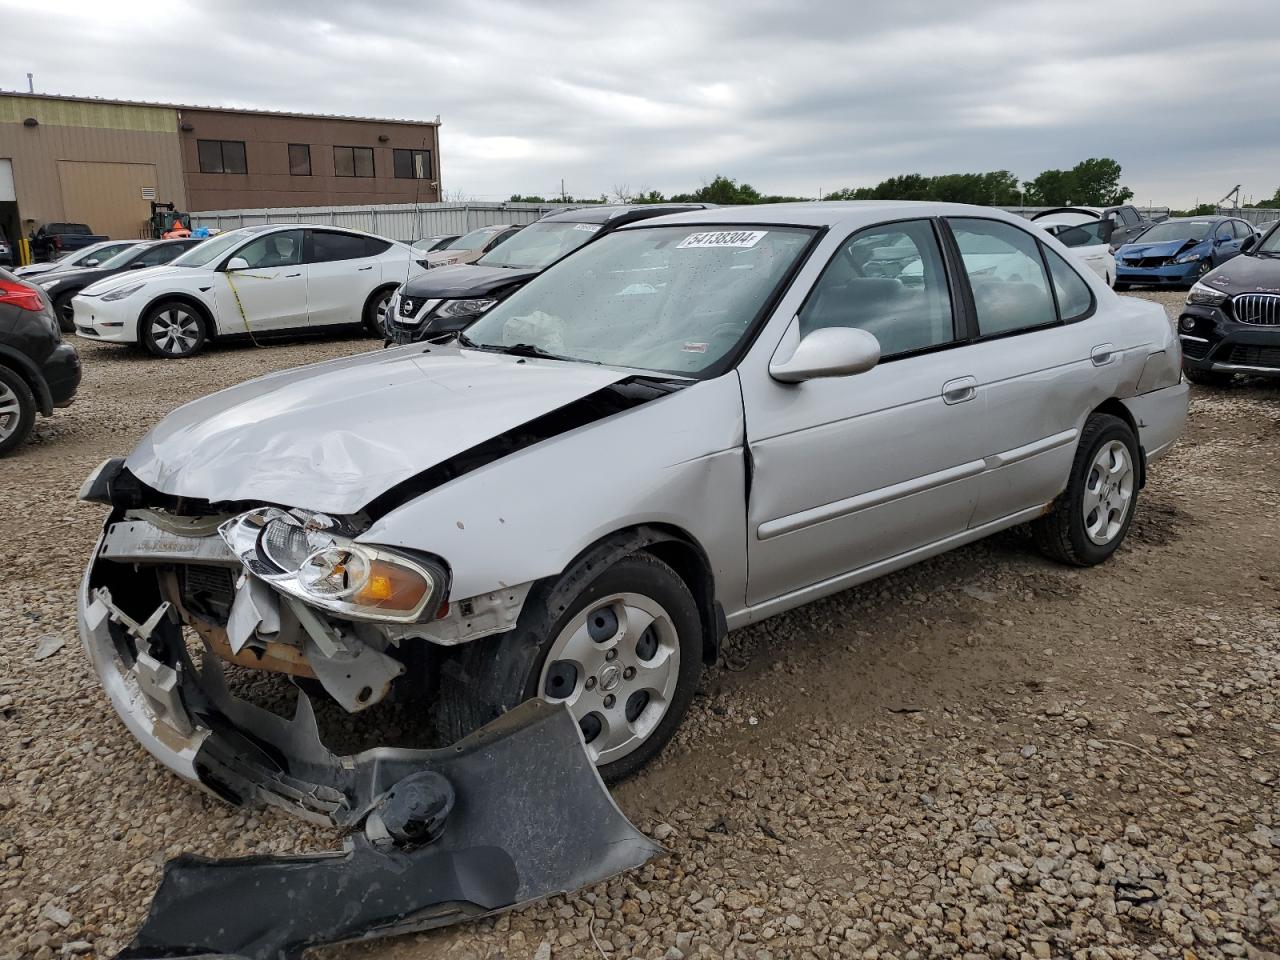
375	311
172	329
623	652
1090	519
65	312
17	409
1119	287
1208	378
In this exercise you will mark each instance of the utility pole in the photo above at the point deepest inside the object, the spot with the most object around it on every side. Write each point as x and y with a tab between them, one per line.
562	200
31	84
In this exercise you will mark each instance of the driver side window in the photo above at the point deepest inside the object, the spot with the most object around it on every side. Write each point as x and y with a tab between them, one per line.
889	280
283	249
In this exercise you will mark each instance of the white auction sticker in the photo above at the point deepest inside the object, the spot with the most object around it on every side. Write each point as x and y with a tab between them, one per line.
589	227
723	238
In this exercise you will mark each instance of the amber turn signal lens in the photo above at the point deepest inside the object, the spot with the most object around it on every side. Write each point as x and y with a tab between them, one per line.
392	587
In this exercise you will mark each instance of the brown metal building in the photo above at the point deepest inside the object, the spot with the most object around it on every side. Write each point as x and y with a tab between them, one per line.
102	162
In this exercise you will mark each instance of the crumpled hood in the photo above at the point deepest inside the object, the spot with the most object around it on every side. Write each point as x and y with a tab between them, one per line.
462	280
1170	248
333	436
128	277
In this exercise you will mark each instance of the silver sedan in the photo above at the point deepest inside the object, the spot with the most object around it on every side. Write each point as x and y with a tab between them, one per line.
695	423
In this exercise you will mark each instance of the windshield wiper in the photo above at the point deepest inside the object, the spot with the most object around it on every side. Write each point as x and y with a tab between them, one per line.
513	349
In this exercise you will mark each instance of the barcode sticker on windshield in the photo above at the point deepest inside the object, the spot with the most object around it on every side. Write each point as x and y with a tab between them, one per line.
589	227
723	238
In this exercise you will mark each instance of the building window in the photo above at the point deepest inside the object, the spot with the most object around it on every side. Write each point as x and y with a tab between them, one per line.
353	161
299	160
221	156
412	164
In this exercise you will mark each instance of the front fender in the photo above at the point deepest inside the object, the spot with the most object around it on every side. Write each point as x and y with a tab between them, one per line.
677	462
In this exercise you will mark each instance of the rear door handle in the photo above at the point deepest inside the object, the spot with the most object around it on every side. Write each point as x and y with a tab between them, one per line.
959	390
370	267
288	275
1103	354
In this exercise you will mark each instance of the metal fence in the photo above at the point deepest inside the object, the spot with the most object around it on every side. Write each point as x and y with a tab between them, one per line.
1255	215
397	221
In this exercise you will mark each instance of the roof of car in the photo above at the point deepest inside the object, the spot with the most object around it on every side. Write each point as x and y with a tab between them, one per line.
829	213
603	213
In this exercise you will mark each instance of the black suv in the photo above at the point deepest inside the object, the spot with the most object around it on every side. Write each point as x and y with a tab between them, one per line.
38	369
63	285
444	300
1231	323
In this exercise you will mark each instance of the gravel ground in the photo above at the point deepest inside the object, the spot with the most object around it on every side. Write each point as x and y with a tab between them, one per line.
986	755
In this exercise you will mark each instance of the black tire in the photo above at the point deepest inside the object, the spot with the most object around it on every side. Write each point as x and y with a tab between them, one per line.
377	302
187	323
19	409
1061	535
1208	378
62	309
487	677
1119	287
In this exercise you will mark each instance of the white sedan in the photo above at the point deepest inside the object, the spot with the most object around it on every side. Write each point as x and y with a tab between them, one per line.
254	281
1086	237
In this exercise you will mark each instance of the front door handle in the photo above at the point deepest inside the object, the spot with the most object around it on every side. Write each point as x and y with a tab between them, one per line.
1102	354
288	275
959	390
370	267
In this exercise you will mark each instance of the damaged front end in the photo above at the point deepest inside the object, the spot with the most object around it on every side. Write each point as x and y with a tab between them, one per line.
513	813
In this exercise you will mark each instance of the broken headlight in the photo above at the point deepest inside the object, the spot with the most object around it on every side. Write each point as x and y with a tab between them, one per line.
310	557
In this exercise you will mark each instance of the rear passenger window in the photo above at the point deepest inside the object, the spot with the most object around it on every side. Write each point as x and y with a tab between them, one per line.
1006	274
890	281
1075	299
326	246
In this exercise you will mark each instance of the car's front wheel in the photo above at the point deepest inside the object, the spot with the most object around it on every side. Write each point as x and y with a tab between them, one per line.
1090	519
66	313
172	329
623	652
1208	378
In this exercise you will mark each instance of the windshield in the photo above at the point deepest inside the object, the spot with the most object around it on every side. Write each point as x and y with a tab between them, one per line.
539	244
1271	243
1177	230
210	250
672	299
473	240
122	257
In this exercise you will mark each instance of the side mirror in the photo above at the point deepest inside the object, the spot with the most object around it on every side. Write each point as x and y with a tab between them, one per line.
1249	242
829	352
137	266
237	263
1107	228
92	263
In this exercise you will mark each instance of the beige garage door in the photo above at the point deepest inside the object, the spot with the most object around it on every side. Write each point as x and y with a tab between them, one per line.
107	196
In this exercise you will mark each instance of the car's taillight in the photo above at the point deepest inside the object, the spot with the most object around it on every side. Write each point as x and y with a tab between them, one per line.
19	295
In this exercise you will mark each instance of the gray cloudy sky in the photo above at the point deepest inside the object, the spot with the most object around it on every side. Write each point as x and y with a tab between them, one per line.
791	97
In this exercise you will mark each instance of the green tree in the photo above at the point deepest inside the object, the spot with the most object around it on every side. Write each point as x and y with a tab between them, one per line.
1094	182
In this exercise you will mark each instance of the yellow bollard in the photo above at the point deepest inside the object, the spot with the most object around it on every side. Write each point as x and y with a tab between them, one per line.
24	252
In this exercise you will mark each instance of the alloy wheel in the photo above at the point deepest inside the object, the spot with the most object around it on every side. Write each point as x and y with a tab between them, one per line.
616	665
1108	492
10	412
175	331
380	312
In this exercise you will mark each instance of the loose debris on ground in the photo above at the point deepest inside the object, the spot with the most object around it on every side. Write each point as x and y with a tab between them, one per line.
985	756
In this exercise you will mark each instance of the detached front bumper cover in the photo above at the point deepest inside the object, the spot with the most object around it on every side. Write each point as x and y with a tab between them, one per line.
512	814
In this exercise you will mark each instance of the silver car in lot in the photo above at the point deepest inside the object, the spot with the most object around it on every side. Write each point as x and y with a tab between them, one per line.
695	423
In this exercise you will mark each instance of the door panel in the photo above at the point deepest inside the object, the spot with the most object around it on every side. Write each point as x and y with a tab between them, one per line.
339	277
272	291
851	470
